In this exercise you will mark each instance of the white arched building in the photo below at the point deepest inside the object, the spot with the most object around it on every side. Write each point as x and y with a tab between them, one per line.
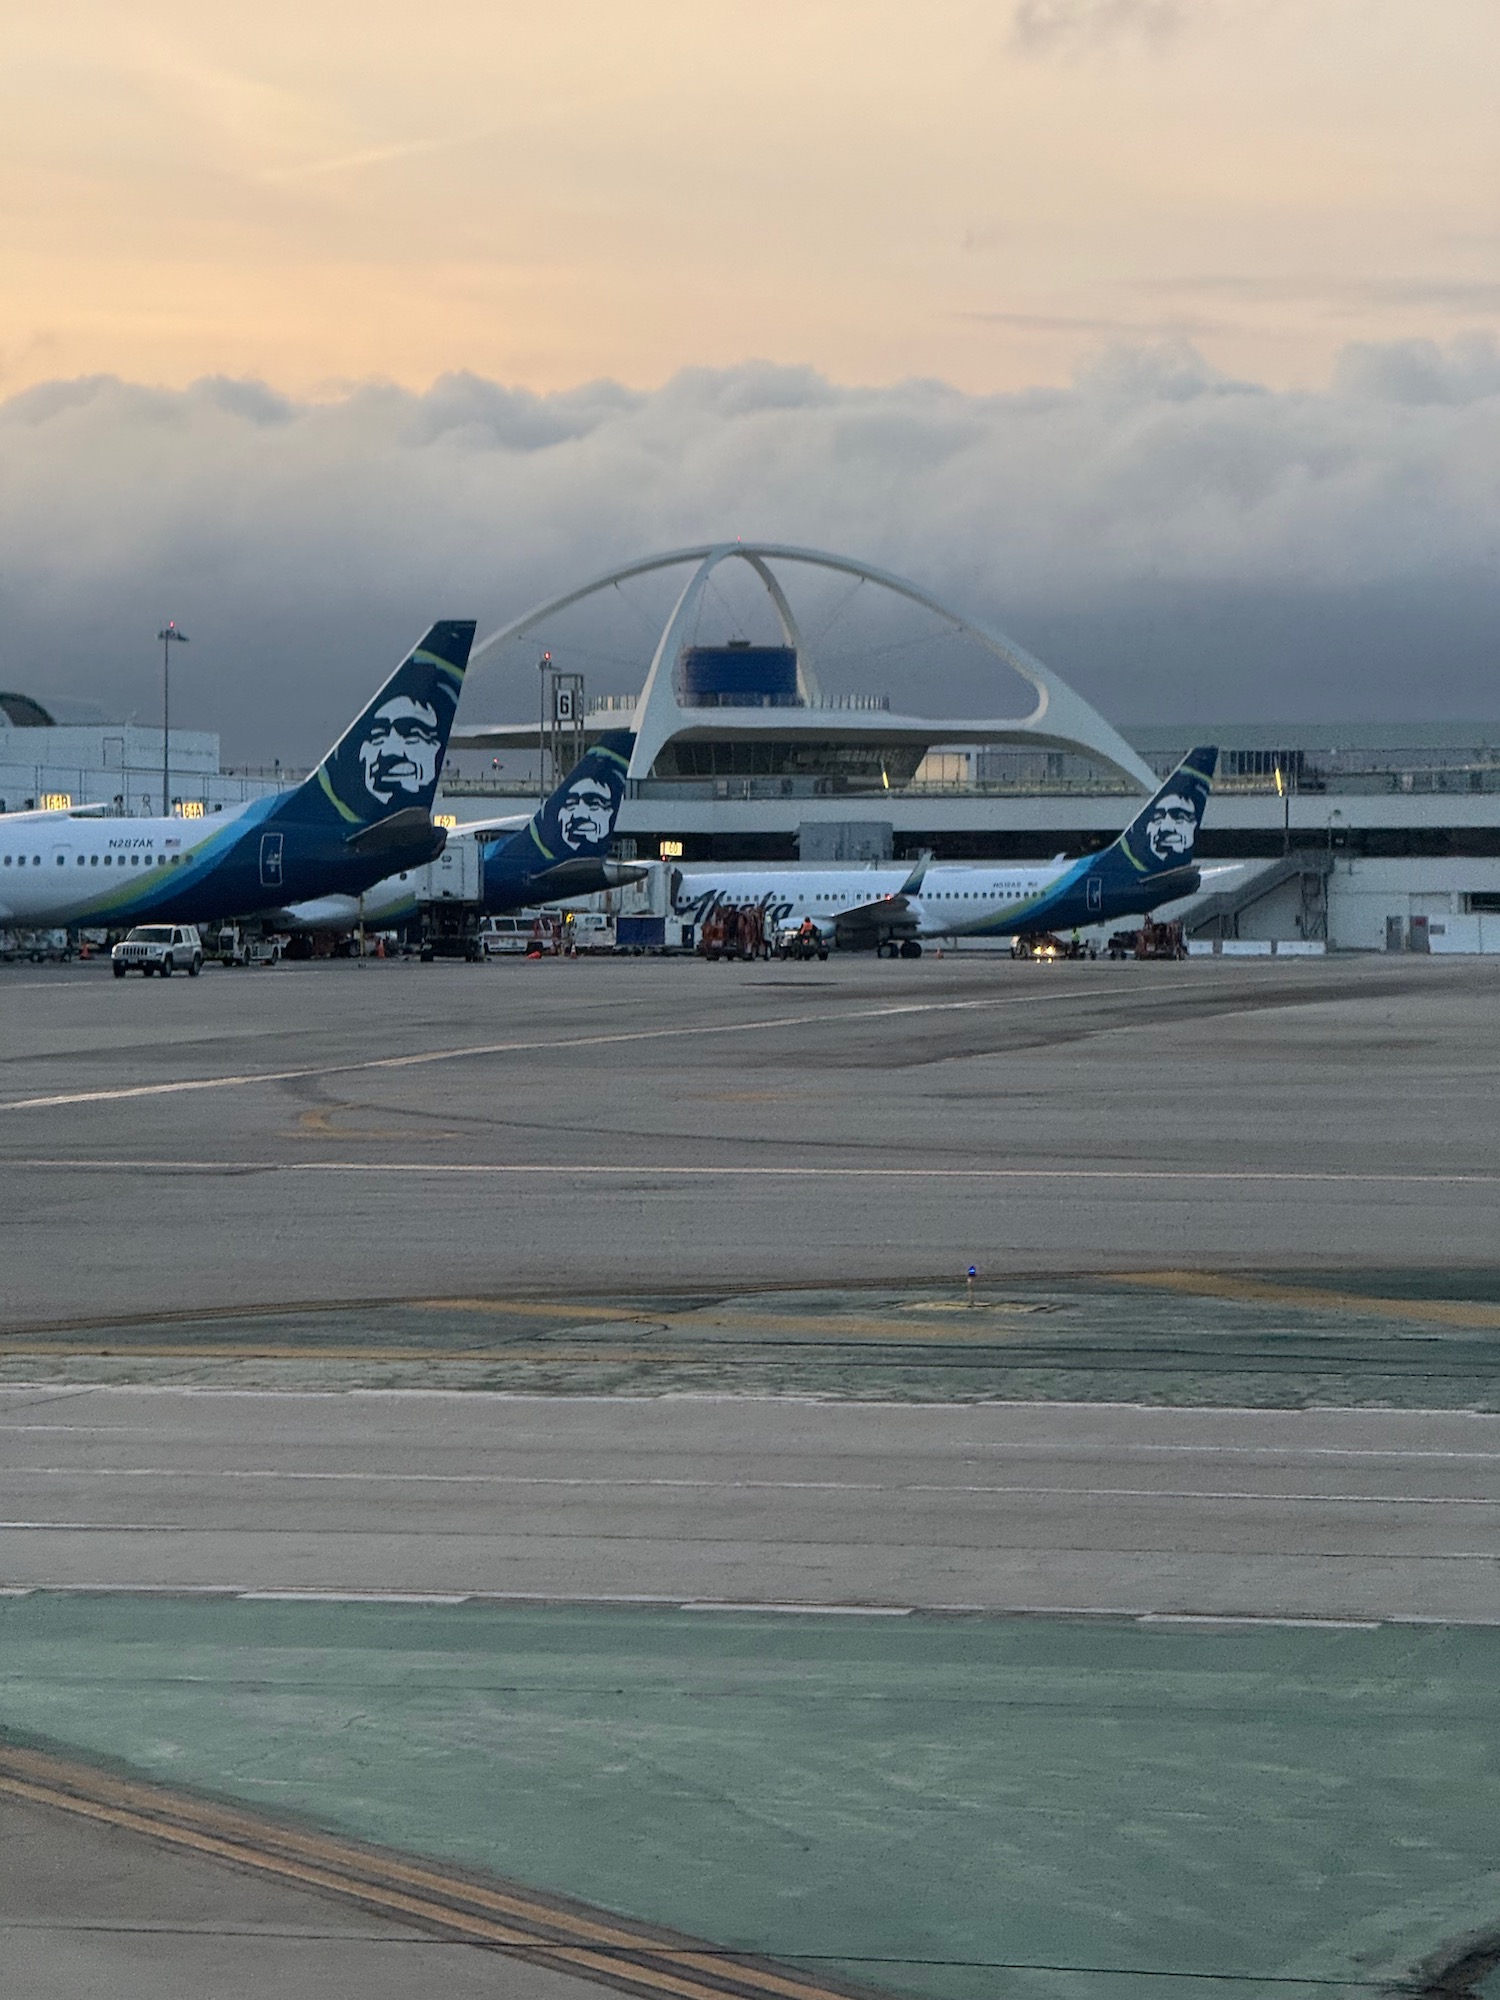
720	751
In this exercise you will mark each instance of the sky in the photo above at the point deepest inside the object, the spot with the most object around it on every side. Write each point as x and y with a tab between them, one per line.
1160	332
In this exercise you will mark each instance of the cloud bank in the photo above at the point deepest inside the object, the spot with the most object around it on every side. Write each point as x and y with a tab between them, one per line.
1068	27
1180	545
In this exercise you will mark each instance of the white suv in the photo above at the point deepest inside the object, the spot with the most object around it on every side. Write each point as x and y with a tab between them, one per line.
163	948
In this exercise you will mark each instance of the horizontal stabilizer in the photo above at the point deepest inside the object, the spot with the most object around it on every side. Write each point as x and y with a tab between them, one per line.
397	830
586	878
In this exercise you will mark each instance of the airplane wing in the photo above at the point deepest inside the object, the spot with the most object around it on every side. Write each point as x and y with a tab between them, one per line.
885	916
510	823
58	812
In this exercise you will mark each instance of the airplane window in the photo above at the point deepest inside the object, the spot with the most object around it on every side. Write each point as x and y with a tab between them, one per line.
83	861
93	861
7	861
135	861
62	860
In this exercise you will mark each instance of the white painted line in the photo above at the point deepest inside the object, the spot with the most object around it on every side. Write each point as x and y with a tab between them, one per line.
1289	1452
1011	1490
1232	1618
1115	1613
832	1017
810	1610
85	1528
675	1171
349	1597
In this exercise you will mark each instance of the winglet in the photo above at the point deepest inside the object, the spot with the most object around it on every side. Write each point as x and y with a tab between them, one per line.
912	886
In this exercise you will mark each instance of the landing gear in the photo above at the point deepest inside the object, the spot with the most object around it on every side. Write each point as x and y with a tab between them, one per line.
910	948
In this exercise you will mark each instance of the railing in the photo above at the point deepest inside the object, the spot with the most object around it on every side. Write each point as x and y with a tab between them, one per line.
487	788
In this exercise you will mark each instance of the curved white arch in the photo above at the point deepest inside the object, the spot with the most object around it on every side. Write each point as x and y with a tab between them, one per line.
1061	720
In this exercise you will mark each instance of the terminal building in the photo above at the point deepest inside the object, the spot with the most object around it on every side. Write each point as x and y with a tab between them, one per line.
1365	837
1357	836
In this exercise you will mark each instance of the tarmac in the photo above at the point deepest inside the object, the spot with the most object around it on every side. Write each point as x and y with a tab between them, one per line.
525	1287
379	1130
998	1507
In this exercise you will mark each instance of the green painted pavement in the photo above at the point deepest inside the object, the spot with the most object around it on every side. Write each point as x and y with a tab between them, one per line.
924	1802
1068	1339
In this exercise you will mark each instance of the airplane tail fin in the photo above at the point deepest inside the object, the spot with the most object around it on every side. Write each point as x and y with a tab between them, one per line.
385	767
1160	838
563	848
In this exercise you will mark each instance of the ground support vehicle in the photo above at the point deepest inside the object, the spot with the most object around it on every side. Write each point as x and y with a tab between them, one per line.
1044	945
44	947
505	937
243	944
1152	940
1155	940
450	930
730	932
800	941
163	948
638	934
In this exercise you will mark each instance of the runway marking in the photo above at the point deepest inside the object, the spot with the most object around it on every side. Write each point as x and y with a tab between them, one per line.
1216	1285
673	1170
238	1080
810	1610
1241	1618
1016	1447
654	1601
350	1597
566	1937
612	1485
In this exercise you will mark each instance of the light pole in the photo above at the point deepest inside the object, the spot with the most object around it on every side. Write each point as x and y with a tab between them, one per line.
168	634
543	667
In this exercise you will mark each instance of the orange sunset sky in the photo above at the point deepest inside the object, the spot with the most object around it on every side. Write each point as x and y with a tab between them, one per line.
317	193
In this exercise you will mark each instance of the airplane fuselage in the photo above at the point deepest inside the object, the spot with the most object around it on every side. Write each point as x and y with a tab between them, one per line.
996	899
59	869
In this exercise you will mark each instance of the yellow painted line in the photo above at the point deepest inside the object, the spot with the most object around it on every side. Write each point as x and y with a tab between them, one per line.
1216	1285
328	1864
531	1309
835	1326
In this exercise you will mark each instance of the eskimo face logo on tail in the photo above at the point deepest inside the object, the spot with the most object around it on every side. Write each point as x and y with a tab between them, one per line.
579	819
586	812
1172	825
402	750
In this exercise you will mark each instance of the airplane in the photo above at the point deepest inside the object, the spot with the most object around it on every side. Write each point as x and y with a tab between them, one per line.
559	852
365	810
894	909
